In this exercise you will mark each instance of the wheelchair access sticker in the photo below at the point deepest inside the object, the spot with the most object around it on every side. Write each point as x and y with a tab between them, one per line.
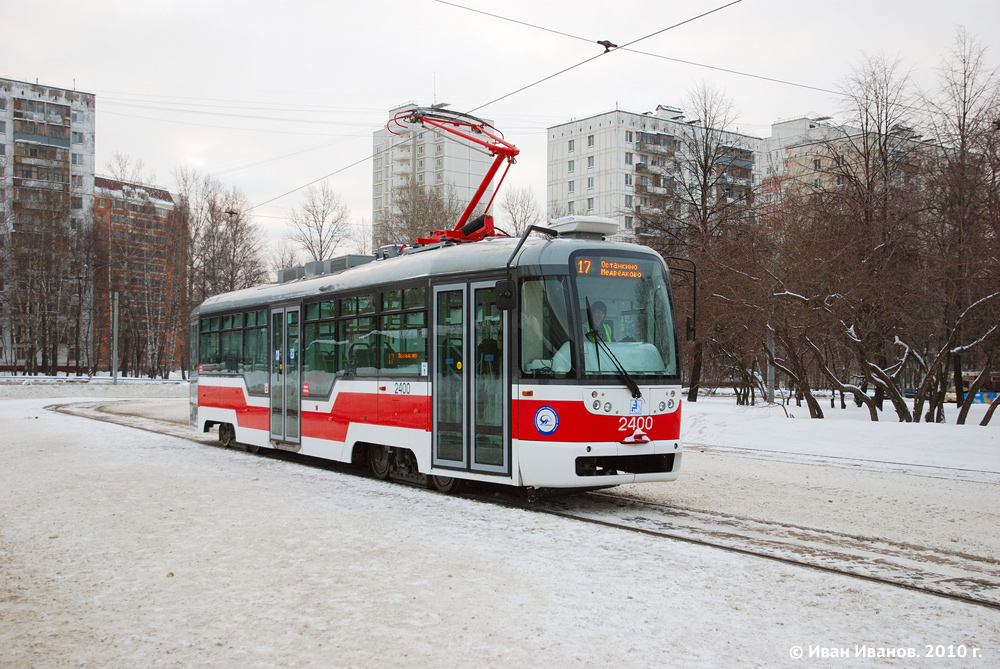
546	420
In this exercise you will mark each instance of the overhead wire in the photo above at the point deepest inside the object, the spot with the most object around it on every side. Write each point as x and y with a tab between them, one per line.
608	50
523	88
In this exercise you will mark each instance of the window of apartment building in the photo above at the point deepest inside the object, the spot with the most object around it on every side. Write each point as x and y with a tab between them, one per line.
572	145
76	116
3	149
840	161
628	179
628	136
590	182
590	204
816	164
840	179
378	202
378	176
590	141
628	222
572	186
420	164
437	163
76	159
76	203
76	137
3	127
378	189
439	177
378	163
77	180
590	162
420	178
438	148
420	150
569	208
628	200
628	158
572	166
3	104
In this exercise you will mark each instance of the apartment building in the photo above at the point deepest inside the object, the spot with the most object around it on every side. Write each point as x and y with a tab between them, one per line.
46	193
427	157
624	165
140	253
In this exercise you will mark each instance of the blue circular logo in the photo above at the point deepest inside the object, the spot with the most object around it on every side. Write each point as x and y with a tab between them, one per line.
546	420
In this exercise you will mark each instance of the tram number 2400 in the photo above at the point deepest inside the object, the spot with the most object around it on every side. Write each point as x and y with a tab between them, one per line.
401	388
626	423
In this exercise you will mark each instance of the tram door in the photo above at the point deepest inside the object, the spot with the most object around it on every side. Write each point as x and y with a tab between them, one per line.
285	366
471	389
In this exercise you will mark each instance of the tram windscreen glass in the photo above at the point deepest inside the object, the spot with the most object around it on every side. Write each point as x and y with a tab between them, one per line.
624	300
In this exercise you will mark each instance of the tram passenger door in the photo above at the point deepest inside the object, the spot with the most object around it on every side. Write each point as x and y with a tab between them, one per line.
471	388
285	365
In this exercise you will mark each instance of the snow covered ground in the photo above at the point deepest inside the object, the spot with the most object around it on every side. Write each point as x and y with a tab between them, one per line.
122	548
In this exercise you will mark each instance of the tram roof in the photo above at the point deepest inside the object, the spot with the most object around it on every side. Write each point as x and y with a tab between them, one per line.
483	256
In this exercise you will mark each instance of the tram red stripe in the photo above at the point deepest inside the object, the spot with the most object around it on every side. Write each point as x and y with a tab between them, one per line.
577	424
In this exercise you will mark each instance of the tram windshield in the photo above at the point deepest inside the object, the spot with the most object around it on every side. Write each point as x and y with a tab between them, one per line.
624	301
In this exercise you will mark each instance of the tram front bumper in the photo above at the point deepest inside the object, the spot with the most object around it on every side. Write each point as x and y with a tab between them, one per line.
546	464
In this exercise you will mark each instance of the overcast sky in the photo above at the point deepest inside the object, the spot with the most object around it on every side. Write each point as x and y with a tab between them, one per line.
272	95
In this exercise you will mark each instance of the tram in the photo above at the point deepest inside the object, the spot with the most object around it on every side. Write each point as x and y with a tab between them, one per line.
547	362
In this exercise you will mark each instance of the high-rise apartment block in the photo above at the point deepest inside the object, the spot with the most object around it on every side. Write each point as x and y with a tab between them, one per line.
622	164
426	157
46	197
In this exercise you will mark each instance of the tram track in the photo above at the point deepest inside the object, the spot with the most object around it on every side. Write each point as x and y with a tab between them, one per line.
953	575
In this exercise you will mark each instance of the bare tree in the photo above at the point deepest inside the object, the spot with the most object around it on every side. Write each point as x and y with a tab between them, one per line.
227	246
322	223
519	210
697	192
284	254
417	212
361	237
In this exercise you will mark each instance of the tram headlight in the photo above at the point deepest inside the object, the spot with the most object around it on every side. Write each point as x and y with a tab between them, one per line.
597	404
607	407
663	405
670	404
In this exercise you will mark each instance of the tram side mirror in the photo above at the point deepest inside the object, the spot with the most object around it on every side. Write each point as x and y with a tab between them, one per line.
690	328
505	295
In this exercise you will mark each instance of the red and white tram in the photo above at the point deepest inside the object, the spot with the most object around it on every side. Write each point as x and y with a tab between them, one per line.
541	362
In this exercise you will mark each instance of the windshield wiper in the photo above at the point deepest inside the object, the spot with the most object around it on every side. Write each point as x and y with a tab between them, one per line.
600	344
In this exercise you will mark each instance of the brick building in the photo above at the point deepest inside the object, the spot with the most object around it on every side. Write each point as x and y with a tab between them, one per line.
140	253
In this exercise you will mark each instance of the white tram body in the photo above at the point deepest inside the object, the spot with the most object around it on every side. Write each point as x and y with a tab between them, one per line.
410	364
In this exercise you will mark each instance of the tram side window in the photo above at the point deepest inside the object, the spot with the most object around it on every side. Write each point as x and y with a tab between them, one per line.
232	350
404	343
357	347
255	350
211	353
546	349
319	358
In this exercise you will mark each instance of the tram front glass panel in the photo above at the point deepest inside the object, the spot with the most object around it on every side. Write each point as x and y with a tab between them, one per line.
624	301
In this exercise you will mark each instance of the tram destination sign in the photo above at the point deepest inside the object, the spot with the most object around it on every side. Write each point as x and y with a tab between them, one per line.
615	268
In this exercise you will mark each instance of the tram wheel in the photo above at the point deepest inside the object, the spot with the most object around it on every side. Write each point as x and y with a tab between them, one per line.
227	435
378	461
445	484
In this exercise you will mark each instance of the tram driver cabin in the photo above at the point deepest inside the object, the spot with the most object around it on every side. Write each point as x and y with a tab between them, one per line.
540	362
